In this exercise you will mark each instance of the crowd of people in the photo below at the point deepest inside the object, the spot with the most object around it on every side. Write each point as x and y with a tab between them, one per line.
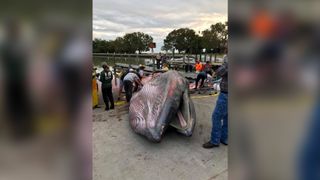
130	81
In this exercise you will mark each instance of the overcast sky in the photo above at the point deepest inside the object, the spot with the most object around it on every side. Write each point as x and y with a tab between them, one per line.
114	18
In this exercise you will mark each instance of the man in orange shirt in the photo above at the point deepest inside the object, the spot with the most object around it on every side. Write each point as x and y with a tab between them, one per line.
198	66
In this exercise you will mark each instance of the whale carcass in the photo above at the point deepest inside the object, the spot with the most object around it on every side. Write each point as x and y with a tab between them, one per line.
163	101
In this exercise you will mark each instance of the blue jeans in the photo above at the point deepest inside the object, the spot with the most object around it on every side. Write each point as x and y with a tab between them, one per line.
219	132
310	154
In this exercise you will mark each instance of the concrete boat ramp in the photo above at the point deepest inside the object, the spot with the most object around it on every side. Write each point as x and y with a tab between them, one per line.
119	153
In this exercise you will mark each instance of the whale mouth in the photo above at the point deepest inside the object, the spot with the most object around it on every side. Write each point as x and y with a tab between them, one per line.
184	121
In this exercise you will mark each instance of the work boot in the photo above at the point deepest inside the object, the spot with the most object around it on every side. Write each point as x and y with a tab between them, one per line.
224	143
209	145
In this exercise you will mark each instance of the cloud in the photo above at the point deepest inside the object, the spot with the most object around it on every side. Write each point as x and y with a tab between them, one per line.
114	18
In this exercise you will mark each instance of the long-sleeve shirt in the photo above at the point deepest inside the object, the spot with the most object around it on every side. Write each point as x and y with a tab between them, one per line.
222	72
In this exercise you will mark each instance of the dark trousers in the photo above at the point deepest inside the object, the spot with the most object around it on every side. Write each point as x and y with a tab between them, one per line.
201	77
107	96
188	68
158	64
128	88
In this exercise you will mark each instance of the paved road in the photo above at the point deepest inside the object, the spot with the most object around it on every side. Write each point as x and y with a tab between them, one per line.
119	153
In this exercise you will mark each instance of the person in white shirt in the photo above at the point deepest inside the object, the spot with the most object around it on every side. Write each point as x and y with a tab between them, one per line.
128	81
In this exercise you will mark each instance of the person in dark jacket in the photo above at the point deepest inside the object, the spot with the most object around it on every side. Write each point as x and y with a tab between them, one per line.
201	76
106	77
158	59
219	132
208	68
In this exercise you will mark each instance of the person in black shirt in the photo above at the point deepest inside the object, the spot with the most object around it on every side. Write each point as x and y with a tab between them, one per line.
106	77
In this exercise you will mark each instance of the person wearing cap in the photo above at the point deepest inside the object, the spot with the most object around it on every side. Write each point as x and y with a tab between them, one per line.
141	70
106	77
128	81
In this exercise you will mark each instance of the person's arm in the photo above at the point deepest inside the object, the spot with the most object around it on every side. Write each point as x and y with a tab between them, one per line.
222	70
111	75
102	77
138	81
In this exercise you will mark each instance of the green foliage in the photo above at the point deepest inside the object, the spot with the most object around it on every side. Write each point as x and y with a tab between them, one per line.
186	40
181	39
216	37
129	43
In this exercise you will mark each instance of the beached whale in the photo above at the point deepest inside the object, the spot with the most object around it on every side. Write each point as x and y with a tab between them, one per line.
163	101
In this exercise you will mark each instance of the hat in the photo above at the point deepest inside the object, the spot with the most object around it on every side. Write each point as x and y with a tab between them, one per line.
105	65
131	70
141	66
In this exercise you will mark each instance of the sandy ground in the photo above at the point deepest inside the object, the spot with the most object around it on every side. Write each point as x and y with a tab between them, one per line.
119	153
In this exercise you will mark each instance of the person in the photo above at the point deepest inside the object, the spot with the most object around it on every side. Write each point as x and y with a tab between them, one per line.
164	59
188	67
309	157
219	132
128	81
158	59
201	76
106	77
141	70
95	98
165	67
122	75
208	68
198	66
14	62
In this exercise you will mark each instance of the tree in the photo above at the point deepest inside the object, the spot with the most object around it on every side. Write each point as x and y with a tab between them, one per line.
99	46
181	39
216	37
129	43
119	45
137	41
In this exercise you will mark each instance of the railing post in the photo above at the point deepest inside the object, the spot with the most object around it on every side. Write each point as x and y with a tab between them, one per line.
115	74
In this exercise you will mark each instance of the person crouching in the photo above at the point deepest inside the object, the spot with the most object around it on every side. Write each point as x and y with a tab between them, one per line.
128	81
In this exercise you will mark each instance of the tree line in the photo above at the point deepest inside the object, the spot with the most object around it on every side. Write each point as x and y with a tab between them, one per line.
213	40
129	43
